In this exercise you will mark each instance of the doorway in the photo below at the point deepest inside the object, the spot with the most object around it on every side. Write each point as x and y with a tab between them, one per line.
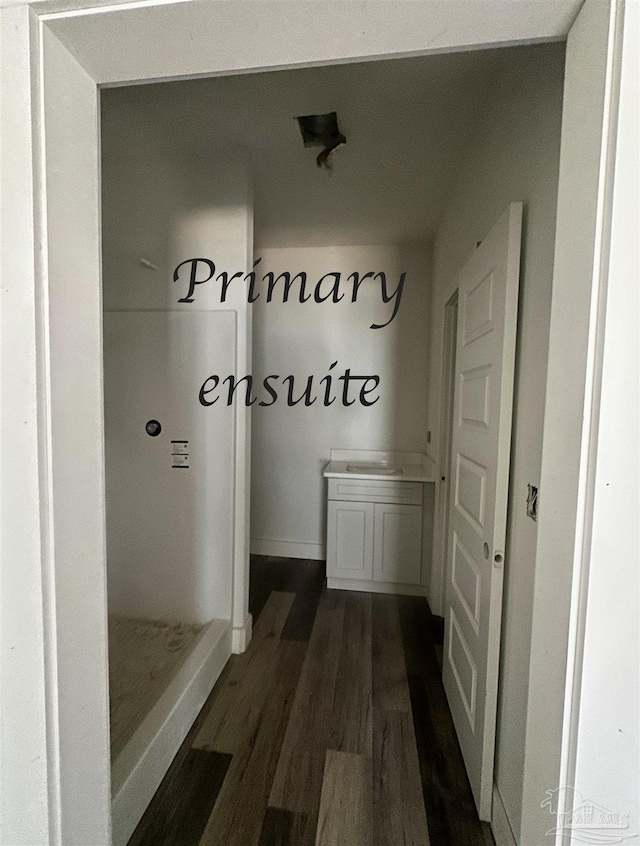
190	212
72	208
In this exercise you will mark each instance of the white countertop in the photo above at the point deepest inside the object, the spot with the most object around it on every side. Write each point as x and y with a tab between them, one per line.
413	467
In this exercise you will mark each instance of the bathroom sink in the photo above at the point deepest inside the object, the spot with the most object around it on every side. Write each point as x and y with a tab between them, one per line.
376	469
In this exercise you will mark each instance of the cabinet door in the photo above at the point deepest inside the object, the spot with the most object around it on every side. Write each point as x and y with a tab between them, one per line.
397	543
350	540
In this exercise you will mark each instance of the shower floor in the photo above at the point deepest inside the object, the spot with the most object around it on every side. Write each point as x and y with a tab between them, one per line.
144	656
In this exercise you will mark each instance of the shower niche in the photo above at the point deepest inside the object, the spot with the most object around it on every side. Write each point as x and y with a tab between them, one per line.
169	482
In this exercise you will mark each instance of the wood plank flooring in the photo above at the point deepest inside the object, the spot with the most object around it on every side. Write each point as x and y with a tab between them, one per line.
332	729
346	803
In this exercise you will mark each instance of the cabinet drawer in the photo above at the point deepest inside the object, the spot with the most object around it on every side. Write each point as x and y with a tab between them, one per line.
363	490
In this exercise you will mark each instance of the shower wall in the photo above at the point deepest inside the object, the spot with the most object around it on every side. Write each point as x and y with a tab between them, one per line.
174	533
169	512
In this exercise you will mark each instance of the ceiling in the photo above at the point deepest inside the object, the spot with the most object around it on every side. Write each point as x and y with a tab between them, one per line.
407	123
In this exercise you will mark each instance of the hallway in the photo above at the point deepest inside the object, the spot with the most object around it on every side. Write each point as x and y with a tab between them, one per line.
332	729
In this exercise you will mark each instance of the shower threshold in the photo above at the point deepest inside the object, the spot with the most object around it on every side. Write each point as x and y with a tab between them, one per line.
144	655
160	674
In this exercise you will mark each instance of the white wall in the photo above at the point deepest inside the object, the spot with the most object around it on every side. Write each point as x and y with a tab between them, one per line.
609	713
164	207
514	156
169	529
291	445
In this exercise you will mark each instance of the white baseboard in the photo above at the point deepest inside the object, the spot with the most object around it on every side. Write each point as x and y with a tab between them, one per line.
140	767
241	635
375	587
288	549
500	827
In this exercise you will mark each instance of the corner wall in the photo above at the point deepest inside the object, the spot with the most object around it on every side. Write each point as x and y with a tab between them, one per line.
163	205
291	445
514	156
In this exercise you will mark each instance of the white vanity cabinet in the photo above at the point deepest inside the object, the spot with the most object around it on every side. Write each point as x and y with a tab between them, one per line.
374	532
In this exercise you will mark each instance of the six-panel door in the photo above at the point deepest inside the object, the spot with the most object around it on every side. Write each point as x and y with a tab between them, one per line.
480	455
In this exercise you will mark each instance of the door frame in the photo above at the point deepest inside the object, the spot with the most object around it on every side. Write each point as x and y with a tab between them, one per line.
437	588
56	54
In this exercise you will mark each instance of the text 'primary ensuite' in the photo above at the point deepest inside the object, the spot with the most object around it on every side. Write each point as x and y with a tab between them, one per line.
332	287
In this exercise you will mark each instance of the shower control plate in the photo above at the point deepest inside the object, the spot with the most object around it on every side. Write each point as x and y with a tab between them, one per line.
180	454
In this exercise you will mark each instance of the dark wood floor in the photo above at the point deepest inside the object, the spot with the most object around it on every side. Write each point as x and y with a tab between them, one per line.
332	729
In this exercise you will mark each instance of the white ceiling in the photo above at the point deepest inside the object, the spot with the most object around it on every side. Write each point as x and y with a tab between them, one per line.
407	123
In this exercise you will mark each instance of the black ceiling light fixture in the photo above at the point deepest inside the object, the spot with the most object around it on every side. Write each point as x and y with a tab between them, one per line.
321	131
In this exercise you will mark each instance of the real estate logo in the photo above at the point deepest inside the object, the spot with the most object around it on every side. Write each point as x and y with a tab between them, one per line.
583	820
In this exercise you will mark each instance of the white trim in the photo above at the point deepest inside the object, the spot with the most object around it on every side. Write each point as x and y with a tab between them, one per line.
71	443
142	764
500	826
44	415
28	798
438	577
185	41
593	389
570	401
376	587
288	549
99	7
241	635
242	460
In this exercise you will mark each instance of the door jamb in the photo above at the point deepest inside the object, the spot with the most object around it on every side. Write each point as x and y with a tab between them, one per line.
450	313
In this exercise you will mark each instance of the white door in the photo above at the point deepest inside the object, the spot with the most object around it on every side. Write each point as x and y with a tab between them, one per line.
480	446
350	540
397	543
